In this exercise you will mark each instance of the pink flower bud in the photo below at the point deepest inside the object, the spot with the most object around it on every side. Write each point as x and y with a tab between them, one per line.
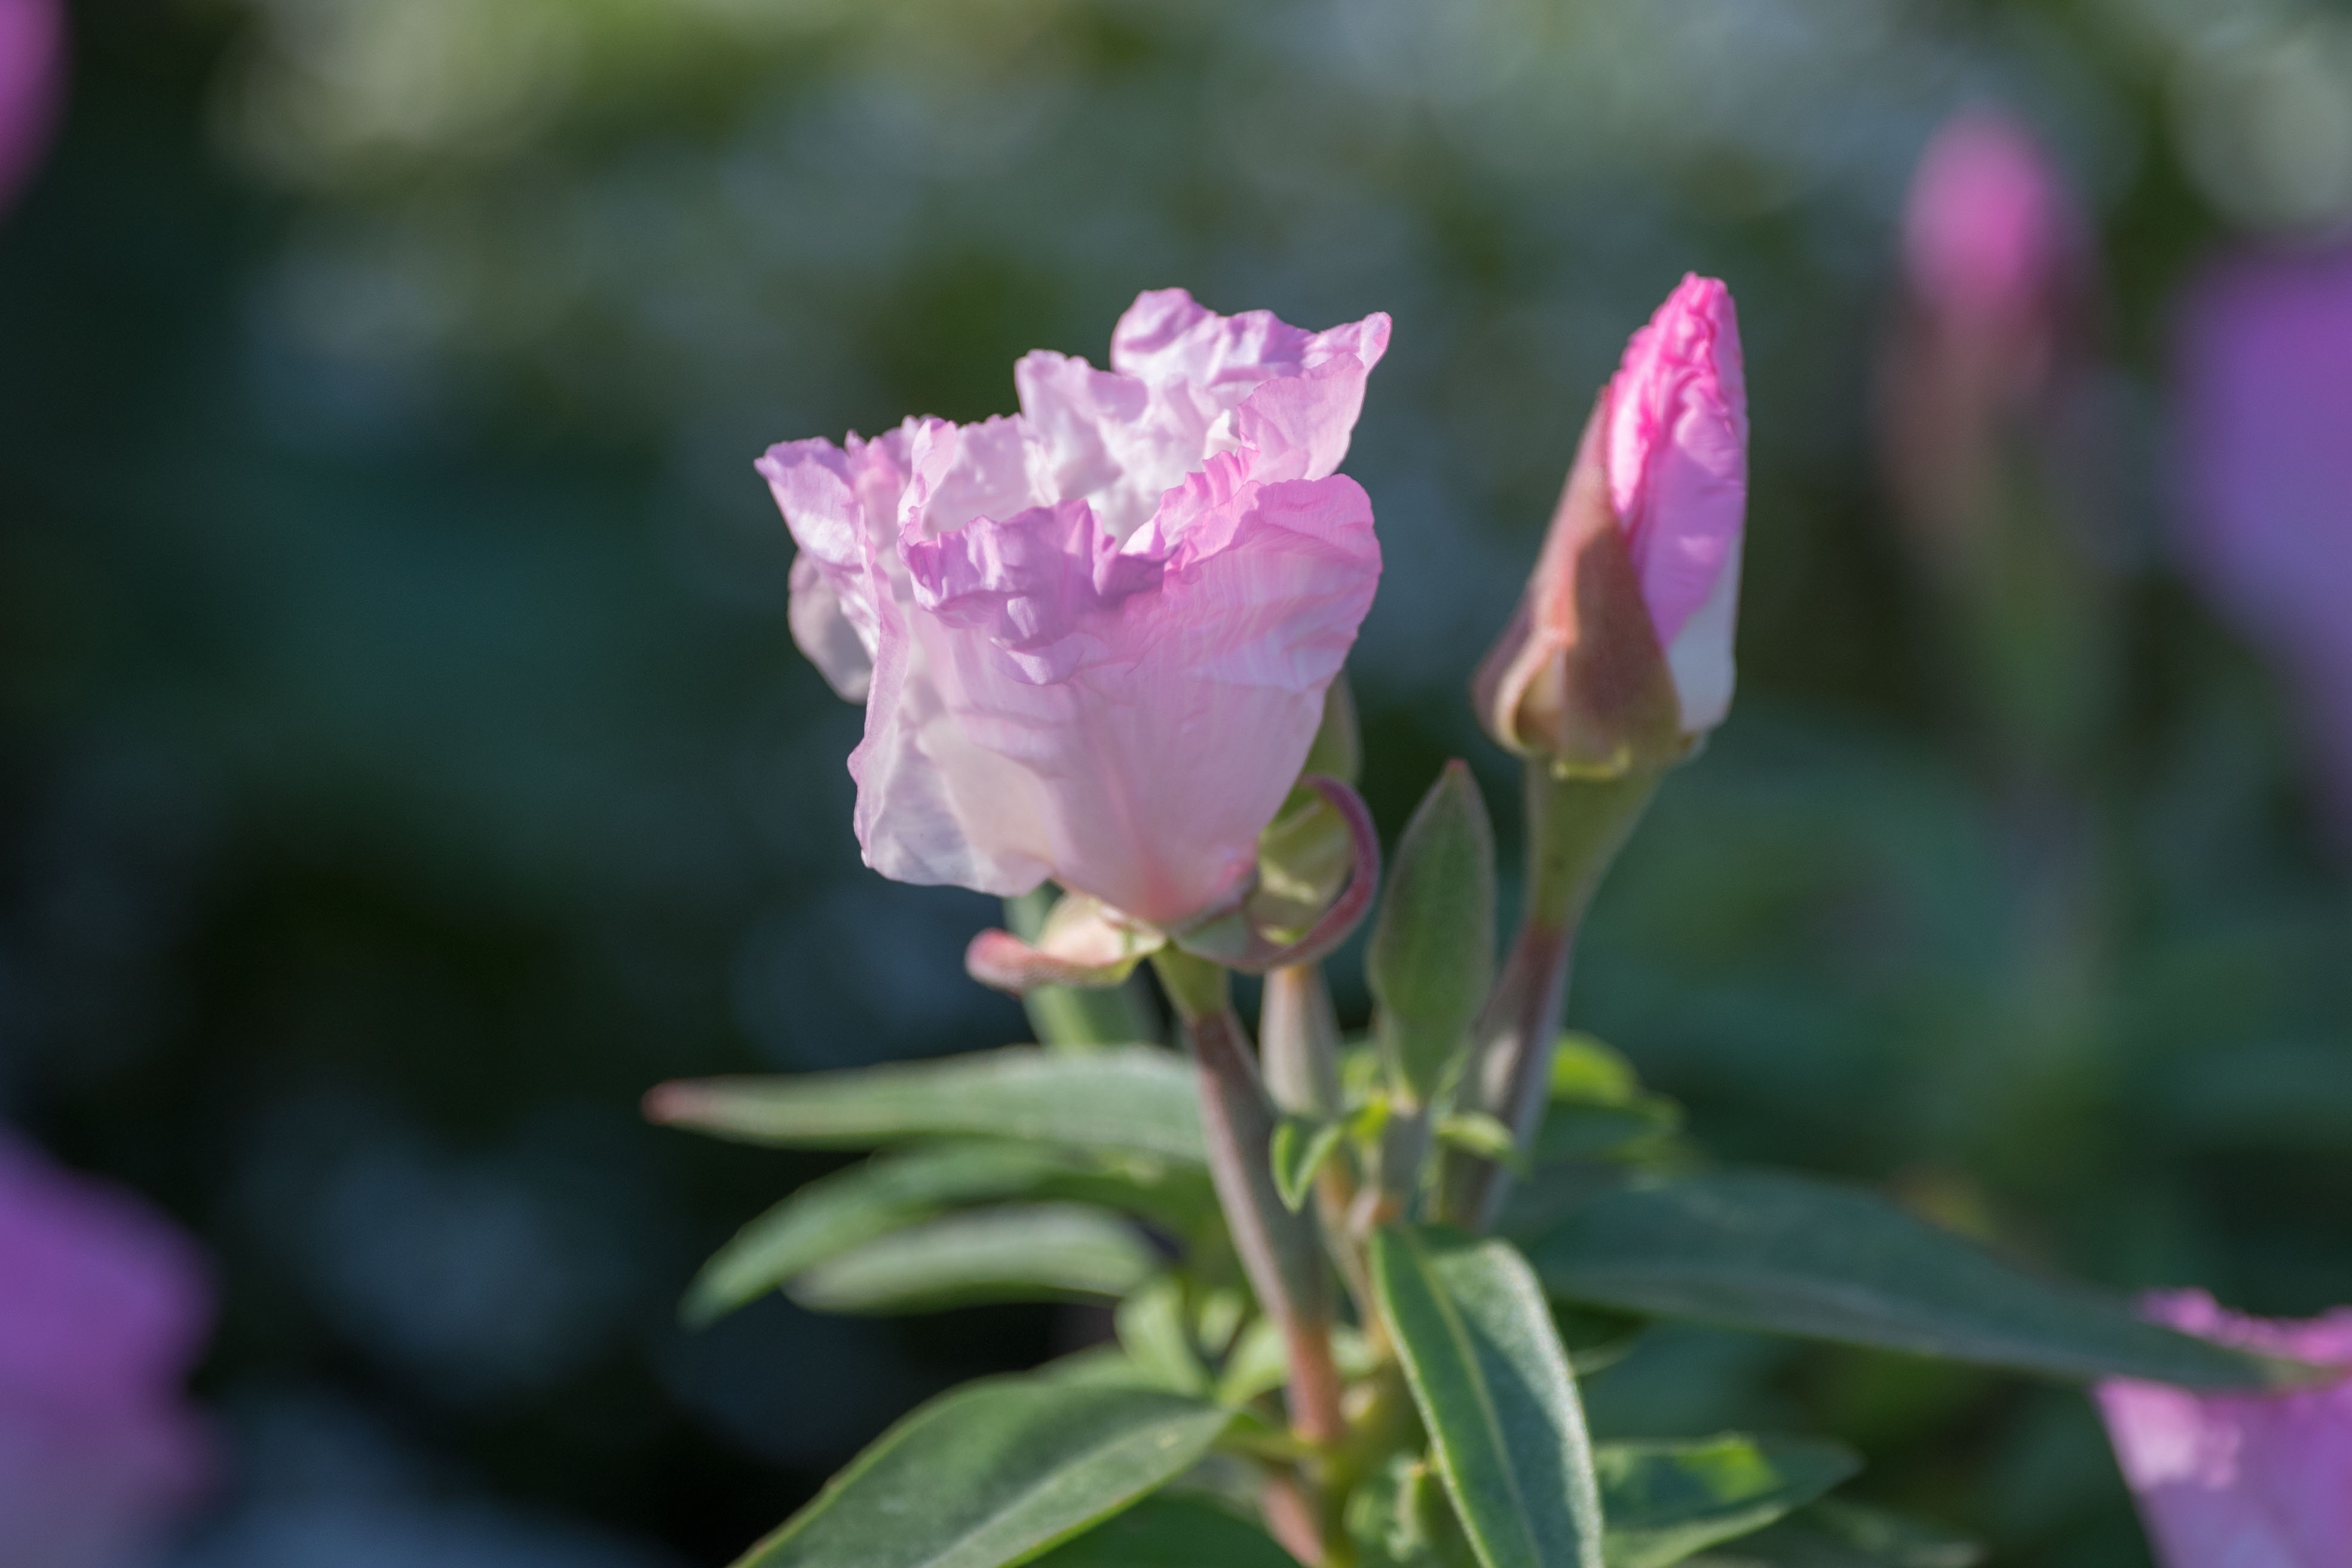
102	1306
32	49
2264	420
2240	1478
1094	638
1622	649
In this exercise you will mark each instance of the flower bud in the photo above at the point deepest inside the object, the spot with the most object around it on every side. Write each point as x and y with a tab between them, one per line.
1432	950
1621	652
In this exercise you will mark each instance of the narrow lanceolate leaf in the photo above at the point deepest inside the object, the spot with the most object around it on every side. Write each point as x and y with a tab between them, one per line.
1782	1254
1025	1252
1667	1501
993	1473
1130	1099
830	1216
1171	1532
1493	1388
890	1193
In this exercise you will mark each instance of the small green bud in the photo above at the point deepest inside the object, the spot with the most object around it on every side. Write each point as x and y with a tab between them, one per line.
1432	954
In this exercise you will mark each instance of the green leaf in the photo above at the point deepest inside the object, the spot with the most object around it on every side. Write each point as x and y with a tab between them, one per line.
1789	1255
1027	1252
1493	1385
994	1473
1598	1131
1585	1071
1433	949
836	1213
1665	1502
1130	1099
1834	1534
1476	1133
1153	1331
1301	1144
1168	1531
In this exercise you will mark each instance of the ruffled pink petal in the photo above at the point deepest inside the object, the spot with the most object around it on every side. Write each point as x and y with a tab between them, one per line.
1676	442
2240	1480
1181	376
836	499
1126	722
1167	336
1114	441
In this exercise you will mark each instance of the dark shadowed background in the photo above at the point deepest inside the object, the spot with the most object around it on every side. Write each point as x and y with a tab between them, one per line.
404	763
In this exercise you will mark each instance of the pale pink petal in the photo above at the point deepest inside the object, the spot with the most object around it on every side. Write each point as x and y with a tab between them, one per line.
1127	723
32	86
2240	1480
835	500
1676	448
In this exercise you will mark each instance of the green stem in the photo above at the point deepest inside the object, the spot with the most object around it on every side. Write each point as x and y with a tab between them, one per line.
1279	1250
1576	826
1299	1041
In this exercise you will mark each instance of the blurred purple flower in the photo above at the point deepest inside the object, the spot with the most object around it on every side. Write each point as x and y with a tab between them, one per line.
102	1306
32	54
2265	410
2241	1480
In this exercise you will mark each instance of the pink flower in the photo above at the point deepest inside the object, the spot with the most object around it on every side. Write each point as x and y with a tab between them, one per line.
32	49
102	1306
2264	416
1093	637
2241	1480
1622	645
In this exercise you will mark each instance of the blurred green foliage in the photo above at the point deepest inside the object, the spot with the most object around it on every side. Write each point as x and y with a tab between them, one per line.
406	761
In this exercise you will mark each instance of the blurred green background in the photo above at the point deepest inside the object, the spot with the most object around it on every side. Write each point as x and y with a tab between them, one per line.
406	761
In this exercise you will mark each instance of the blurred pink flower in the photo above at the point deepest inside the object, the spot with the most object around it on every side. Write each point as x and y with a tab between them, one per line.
1996	274
1094	636
1655	507
2264	420
32	49
102	1308
2241	1480
1991	227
